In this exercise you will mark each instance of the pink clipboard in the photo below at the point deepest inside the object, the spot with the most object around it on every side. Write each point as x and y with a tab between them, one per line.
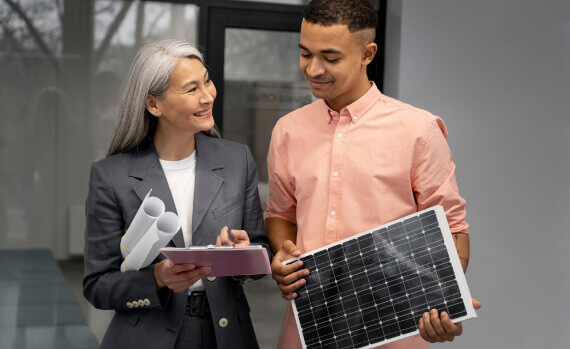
224	260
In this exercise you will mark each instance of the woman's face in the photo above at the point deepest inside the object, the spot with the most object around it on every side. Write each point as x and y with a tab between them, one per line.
189	99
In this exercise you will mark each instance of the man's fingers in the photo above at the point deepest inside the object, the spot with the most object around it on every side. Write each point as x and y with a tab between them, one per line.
277	267
423	332
288	296
429	330
288	288
290	248
293	277
435	321
449	326
476	303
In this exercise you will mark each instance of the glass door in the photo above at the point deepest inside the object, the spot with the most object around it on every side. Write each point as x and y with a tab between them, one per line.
253	56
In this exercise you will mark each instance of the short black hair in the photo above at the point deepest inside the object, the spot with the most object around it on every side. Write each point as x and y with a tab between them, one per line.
356	14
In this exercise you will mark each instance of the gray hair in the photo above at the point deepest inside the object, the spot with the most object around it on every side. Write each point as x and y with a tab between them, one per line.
149	74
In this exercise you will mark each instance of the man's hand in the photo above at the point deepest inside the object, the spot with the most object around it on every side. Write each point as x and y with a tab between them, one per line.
177	277
435	328
288	277
241	239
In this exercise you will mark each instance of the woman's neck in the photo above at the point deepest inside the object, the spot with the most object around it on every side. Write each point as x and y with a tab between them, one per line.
173	147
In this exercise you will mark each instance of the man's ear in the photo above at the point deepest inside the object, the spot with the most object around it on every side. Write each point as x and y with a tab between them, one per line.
368	53
152	105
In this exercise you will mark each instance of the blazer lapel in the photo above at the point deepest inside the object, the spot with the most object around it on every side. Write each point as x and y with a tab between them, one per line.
146	167
208	183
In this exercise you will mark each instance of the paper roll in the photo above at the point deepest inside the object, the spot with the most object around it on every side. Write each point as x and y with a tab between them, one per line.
149	211
156	237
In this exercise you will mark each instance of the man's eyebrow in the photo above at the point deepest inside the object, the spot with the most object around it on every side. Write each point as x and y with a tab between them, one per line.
186	85
328	50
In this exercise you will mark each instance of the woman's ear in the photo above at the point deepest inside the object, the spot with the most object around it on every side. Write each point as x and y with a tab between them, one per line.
152	105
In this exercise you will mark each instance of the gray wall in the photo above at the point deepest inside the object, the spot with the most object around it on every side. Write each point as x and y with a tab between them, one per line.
498	73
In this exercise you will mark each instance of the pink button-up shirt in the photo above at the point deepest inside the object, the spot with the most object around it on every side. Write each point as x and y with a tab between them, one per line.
339	174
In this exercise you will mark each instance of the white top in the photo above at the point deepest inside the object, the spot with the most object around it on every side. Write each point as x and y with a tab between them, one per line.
181	178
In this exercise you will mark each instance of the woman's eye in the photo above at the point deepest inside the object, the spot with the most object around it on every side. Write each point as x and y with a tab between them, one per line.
332	60
192	90
208	81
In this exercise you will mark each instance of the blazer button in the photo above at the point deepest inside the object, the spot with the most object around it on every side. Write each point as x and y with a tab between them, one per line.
211	278
141	303
146	302
129	305
223	322
135	304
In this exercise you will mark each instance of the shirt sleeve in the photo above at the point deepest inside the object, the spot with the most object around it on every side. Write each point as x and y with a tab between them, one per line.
281	201
433	177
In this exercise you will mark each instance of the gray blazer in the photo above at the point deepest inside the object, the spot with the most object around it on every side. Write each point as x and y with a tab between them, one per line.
225	194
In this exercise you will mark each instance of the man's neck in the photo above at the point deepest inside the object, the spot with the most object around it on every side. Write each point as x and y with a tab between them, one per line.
342	101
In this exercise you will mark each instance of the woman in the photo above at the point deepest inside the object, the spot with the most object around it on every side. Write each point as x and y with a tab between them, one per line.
166	141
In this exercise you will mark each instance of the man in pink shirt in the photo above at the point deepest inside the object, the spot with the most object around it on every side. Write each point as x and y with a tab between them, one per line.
353	160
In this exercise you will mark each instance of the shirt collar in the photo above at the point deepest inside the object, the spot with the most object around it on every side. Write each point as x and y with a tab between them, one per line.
357	109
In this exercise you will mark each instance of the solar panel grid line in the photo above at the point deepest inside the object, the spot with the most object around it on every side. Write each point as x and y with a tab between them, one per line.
372	288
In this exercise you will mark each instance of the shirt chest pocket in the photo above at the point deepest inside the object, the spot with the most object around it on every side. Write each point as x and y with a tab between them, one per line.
233	206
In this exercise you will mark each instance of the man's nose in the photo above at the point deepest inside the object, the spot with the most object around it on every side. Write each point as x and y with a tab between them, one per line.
315	68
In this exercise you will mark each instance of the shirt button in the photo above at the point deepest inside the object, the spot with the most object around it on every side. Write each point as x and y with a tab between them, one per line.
335	174
211	278
333	213
339	135
223	322
354	118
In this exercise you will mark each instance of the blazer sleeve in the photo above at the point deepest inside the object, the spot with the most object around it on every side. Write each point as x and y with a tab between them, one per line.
104	285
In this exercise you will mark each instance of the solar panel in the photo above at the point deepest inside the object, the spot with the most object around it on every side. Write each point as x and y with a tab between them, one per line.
372	288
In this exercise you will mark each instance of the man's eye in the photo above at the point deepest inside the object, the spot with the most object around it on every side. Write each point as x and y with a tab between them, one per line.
332	60
192	90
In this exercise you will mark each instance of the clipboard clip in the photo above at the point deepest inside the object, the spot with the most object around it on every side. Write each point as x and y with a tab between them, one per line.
214	247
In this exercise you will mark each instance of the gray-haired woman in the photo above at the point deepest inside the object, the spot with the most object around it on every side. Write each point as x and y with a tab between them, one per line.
166	141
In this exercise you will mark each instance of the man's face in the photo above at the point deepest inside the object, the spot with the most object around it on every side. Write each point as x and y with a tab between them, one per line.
331	60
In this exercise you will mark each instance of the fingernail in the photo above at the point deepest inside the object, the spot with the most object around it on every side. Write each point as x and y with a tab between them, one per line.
306	272
426	315
191	266
434	311
302	282
443	313
206	271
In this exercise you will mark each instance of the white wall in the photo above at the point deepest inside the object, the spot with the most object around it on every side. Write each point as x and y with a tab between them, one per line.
498	73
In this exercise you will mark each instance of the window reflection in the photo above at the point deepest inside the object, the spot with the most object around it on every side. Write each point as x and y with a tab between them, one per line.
62	64
263	82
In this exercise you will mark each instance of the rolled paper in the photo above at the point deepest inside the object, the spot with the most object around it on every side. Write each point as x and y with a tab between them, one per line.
156	237
149	211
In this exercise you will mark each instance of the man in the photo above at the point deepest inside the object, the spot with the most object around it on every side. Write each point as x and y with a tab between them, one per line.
353	160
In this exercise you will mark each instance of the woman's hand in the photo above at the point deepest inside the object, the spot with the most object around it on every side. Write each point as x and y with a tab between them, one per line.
178	277
241	239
